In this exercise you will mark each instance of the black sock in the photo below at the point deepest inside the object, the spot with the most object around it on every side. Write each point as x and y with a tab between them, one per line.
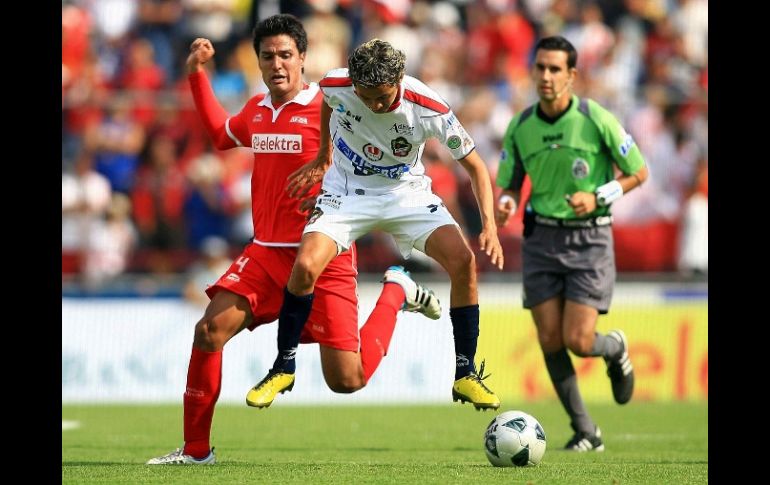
295	311
606	347
564	381
465	324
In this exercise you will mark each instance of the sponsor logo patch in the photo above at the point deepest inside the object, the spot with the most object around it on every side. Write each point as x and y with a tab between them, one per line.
345	124
454	142
233	277
365	168
552	138
625	147
330	200
434	207
464	136
276	143
402	129
372	152
341	109
298	119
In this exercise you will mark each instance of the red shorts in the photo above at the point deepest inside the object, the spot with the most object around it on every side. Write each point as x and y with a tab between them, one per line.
260	274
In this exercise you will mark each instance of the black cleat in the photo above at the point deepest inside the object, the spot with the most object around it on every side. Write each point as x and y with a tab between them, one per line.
621	371
583	441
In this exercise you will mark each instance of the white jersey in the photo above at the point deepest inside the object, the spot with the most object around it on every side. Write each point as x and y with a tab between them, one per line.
379	153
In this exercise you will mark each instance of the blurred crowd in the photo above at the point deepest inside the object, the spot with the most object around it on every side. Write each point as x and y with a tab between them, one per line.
144	191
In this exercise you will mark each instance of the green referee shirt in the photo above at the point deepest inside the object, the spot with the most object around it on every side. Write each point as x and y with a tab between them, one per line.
574	152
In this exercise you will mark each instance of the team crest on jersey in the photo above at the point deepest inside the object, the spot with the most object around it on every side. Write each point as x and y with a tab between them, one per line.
257	118
580	168
314	215
345	124
373	153
400	146
454	142
402	129
298	119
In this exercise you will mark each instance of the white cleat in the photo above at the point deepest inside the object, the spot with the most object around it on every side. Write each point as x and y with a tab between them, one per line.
418	298
177	457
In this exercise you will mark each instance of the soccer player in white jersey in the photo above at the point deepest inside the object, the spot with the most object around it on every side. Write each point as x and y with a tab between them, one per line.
374	124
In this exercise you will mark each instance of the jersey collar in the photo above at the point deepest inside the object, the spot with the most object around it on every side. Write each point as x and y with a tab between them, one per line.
304	97
397	101
572	103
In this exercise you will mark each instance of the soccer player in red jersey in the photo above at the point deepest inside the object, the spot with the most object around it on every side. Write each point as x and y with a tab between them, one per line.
282	127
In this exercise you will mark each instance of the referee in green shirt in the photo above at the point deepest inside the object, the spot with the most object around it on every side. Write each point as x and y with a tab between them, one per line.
570	148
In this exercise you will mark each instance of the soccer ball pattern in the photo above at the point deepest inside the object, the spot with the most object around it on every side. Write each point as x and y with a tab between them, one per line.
514	438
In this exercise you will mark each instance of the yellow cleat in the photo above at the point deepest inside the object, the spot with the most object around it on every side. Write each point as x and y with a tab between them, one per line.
471	389
262	395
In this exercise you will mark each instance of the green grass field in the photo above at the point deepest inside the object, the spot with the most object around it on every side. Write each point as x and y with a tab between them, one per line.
645	443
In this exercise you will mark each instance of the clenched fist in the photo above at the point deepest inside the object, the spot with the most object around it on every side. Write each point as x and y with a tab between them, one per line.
201	51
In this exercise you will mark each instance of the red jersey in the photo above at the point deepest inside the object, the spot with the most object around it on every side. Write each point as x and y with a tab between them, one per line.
283	139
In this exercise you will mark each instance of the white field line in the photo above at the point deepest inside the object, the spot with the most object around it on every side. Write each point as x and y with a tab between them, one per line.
67	425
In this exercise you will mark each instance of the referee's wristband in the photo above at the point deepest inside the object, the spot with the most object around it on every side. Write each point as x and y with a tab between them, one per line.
608	193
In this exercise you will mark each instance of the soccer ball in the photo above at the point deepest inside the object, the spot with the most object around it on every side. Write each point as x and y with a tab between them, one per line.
514	438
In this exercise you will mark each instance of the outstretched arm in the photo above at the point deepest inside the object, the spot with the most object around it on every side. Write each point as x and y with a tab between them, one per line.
212	113
482	189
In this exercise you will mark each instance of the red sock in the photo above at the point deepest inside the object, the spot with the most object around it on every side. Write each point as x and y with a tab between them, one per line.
378	329
204	380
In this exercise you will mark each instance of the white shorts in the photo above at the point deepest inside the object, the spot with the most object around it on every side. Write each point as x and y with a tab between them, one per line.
409	216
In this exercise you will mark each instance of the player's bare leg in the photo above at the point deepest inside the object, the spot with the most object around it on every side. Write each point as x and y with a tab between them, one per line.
342	369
